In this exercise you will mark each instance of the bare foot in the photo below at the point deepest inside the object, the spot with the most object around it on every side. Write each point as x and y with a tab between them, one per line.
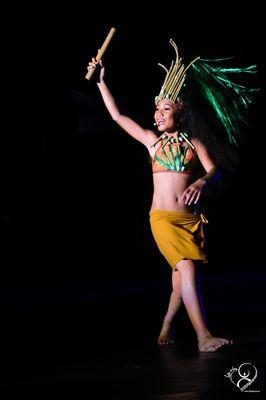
165	337
210	343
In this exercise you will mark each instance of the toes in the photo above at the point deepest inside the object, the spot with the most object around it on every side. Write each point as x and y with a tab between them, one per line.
165	342
215	344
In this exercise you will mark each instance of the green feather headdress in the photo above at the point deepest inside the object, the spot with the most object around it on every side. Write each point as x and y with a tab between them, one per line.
229	100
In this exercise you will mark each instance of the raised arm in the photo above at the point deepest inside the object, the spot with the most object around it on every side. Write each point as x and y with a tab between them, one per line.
145	136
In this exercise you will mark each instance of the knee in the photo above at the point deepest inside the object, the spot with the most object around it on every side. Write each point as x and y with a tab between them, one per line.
176	294
186	268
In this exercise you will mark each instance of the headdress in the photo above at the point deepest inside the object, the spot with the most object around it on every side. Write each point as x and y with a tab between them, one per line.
211	81
175	77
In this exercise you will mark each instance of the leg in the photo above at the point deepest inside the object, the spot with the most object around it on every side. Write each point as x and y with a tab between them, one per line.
200	297
165	336
190	296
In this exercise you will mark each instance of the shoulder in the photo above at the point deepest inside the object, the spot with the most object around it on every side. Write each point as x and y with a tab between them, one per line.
196	142
203	154
199	146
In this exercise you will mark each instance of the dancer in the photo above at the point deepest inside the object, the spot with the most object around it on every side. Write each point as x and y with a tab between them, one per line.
178	156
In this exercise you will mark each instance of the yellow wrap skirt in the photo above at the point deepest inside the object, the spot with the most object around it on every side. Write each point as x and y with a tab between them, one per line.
179	235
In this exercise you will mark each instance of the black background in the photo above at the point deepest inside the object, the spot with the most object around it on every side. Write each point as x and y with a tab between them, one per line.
80	273
76	190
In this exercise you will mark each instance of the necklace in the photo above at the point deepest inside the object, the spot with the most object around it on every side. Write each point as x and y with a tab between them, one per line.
182	136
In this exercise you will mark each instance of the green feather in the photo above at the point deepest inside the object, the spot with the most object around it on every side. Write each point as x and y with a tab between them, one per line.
229	99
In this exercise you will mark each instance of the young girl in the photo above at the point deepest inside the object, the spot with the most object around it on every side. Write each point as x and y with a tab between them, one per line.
176	225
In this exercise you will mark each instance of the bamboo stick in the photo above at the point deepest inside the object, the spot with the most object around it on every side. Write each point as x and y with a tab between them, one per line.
101	51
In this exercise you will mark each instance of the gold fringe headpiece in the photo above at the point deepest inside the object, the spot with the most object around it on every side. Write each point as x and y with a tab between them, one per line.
174	79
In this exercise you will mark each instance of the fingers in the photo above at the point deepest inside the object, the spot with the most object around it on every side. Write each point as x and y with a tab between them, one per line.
93	63
197	198
187	195
194	197
184	194
191	195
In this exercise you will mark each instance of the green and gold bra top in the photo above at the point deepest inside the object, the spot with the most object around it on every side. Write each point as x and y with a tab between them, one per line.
176	153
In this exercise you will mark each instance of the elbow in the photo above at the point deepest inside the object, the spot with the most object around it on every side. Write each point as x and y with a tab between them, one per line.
216	172
216	176
212	170
116	117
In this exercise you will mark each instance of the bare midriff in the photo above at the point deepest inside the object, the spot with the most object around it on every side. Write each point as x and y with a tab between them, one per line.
168	189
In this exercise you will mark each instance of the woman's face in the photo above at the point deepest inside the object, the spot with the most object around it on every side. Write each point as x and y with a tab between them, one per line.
165	116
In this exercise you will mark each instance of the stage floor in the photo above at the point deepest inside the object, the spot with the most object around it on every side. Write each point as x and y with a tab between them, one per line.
94	341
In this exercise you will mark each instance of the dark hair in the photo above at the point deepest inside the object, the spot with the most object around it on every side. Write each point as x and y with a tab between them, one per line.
199	122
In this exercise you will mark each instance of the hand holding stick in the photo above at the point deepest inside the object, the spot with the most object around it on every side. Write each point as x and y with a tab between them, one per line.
101	51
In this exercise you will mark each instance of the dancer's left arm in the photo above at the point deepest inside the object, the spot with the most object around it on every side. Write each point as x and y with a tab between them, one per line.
193	192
